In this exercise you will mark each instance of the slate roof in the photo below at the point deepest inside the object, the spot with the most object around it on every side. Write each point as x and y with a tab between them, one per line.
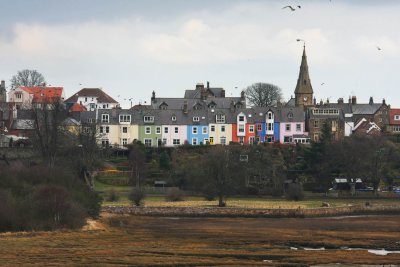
282	114
196	93
177	103
365	109
101	96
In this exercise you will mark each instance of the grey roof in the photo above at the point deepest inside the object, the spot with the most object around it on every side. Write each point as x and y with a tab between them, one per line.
83	116
365	109
290	114
291	102
178	103
230	116
5	111
196	93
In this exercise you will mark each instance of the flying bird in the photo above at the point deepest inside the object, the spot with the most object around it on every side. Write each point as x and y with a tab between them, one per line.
377	47
322	83
290	7
299	6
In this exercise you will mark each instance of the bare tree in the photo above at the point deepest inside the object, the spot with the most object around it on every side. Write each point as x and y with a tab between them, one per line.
263	94
137	158
27	78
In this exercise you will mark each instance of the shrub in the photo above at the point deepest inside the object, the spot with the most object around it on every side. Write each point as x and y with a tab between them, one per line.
295	192
174	194
136	196
113	196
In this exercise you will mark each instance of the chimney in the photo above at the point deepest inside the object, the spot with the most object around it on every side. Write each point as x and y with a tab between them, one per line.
232	106
353	100
371	100
340	101
3	84
242	96
315	101
185	107
327	101
222	93
208	85
153	97
321	102
383	101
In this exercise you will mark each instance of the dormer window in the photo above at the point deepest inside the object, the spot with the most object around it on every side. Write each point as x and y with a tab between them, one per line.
105	118
148	119
173	118
397	117
220	118
124	118
241	118
196	119
290	115
270	115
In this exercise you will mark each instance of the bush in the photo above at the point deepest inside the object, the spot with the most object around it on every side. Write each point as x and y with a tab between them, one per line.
295	192
136	196
113	196
174	194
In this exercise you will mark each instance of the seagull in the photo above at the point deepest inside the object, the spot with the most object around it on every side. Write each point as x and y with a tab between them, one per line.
290	7
377	47
299	6
322	83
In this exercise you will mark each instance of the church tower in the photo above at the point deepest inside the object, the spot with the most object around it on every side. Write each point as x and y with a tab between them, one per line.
3	92
303	92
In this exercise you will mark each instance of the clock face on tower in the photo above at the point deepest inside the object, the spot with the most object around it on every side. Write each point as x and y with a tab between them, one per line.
305	98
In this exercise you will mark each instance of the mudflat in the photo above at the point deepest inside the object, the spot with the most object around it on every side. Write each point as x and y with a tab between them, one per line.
122	240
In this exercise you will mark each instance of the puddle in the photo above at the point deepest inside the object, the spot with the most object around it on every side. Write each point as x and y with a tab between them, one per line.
379	252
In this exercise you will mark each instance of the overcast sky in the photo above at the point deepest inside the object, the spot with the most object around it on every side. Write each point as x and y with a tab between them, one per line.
130	48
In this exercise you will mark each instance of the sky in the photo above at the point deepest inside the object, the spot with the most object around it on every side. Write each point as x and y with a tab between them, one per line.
130	48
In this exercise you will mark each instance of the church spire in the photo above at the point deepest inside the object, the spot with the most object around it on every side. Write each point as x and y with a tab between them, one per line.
303	92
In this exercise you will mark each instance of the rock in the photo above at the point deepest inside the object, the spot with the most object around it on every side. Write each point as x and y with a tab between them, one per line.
325	204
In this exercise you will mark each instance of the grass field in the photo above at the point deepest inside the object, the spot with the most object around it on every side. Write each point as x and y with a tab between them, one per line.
122	240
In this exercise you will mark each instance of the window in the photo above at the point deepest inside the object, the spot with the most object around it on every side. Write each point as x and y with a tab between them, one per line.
90	120
222	128
85	99
124	118
396	117
85	130
241	140
105	118
148	142
269	139
223	140
396	128
251	140
251	128
241	118
211	140
104	106
173	118
164	141
220	118
298	127
158	130
194	130
259	127
176	130
270	116
290	115
18	96
316	137
124	141
104	129
270	126
124	129
212	128
205	141
148	118
148	130
241	128
105	142
287	139
205	130
316	124
165	129
196	119
287	127
176	141
194	141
